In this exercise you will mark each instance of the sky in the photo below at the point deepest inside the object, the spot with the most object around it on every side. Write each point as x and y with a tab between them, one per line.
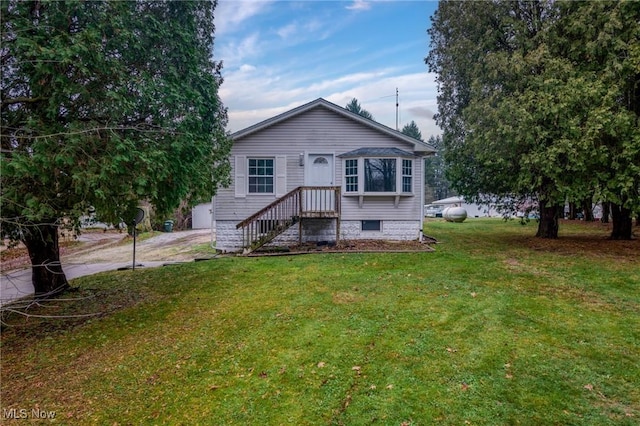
279	54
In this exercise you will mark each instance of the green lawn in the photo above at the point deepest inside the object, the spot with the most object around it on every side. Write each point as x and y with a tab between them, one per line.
493	328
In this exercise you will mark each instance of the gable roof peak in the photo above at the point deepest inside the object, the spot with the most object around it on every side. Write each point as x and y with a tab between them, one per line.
419	146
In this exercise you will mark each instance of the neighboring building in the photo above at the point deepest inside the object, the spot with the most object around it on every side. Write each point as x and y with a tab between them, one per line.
320	173
473	210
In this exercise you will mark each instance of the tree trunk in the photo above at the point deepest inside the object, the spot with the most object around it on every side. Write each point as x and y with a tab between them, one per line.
622	223
47	275
606	211
548	225
572	211
587	209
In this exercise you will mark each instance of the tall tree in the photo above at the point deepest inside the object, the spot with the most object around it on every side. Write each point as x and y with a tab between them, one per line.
435	173
523	118
602	41
354	106
412	130
436	184
105	104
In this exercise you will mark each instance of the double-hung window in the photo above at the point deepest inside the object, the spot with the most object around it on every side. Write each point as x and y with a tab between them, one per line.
351	175
261	175
407	174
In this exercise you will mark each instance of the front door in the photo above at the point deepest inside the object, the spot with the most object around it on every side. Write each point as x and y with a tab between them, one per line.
319	172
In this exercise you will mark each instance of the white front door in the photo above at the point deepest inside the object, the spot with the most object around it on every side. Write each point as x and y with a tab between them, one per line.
319	172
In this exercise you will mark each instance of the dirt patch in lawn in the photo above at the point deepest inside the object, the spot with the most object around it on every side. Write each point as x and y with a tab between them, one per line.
587	238
352	246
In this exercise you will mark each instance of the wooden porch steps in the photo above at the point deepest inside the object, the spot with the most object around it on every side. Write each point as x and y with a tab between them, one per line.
304	202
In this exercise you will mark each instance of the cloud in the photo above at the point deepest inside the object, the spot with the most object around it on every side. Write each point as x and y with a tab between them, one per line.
230	14
234	52
359	5
246	68
255	97
288	30
423	112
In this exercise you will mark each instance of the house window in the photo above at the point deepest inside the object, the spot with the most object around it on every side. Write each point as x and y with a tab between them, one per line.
371	225
407	173
260	175
351	175
380	175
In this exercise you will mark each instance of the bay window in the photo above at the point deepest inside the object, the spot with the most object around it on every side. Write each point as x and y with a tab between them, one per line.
378	171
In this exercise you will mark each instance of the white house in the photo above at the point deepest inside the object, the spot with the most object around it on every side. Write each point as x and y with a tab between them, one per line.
320	173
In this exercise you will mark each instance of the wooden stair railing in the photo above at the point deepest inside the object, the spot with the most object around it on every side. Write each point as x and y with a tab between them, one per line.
274	219
266	224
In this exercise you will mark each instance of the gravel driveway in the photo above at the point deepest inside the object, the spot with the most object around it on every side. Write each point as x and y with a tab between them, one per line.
171	246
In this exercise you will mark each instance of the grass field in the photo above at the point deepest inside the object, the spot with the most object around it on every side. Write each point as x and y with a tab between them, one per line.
493	328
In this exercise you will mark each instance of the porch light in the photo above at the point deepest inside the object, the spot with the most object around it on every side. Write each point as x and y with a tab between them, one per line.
301	160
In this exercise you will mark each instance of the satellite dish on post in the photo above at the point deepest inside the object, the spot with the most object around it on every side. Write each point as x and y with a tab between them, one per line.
136	220
139	217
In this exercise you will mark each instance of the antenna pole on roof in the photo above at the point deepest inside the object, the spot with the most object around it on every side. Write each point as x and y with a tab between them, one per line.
397	128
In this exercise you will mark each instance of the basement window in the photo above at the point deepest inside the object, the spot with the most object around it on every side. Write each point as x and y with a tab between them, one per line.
371	225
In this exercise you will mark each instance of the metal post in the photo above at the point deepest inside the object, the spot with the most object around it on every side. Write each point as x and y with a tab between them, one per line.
134	246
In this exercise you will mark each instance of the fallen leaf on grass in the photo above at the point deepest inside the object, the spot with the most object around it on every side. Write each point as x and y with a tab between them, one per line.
356	368
451	350
588	387
464	386
474	294
321	364
389	386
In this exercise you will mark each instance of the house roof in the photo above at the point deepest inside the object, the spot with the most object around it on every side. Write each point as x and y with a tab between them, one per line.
451	200
377	152
418	146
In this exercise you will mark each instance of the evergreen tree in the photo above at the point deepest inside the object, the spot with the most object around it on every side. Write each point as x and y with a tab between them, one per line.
412	130
105	104
539	100
354	106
